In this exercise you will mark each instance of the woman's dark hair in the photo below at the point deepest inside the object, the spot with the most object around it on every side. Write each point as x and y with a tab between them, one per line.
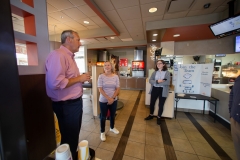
164	65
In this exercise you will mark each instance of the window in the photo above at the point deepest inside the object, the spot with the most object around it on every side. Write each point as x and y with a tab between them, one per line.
80	59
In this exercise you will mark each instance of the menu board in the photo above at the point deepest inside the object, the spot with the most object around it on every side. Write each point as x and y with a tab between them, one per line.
193	78
123	62
137	65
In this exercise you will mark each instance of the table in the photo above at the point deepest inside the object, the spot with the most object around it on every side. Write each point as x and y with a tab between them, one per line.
211	100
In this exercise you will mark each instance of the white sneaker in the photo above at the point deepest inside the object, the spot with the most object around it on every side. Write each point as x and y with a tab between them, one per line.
103	136
114	130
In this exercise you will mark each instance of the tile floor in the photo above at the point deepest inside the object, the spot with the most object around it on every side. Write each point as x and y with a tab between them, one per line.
145	139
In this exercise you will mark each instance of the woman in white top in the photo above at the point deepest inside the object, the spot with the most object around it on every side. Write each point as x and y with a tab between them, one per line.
160	81
108	86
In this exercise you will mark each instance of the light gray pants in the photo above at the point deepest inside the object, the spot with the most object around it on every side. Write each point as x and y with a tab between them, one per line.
235	130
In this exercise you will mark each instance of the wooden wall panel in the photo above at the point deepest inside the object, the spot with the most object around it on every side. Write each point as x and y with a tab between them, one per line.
38	116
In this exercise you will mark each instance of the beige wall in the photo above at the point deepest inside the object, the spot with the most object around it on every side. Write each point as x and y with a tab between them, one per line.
205	47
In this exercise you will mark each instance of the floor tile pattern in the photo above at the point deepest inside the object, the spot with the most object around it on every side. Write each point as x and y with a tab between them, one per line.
145	139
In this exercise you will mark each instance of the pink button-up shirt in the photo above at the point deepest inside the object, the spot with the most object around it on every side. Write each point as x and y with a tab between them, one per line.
60	66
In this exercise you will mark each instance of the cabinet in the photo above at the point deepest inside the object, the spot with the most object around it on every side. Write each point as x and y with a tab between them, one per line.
136	83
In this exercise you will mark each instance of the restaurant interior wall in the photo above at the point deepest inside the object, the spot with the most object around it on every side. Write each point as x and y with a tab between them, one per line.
205	47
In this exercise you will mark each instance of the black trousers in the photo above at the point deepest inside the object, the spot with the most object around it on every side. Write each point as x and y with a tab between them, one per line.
157	93
69	114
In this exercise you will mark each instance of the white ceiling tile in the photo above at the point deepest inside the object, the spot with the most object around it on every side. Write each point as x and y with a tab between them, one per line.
81	21
175	15
74	13
102	25
93	27
77	2
105	5
221	9
129	13
120	26
150	19
112	16
137	35
201	12
52	20
177	6
134	25
159	5
124	35
60	4
50	8
125	3
150	1
75	25
87	10
97	20
198	4
105	41
58	15
63	26
92	40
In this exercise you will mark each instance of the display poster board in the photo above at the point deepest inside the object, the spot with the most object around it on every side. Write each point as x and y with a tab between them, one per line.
123	62
193	78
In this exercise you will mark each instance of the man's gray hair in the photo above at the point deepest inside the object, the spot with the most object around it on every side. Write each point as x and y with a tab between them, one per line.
65	34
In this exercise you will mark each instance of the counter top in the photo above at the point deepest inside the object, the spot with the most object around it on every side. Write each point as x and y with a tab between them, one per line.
223	90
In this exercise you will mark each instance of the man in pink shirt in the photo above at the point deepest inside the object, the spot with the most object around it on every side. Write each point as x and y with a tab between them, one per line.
64	87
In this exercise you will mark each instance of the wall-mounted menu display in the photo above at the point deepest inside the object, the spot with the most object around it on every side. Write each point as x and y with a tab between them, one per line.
123	62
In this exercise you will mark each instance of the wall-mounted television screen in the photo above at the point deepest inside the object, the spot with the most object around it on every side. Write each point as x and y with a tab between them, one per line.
226	27
237	44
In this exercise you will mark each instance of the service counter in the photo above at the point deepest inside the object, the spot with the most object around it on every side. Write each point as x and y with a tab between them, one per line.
135	83
221	92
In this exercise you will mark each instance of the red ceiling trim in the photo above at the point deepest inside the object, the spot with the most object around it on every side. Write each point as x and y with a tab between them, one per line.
97	10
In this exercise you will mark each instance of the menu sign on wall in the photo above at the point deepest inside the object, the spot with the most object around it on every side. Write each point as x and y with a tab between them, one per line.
123	62
193	78
137	65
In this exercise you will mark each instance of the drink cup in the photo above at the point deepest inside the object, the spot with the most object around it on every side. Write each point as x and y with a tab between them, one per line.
63	152
83	150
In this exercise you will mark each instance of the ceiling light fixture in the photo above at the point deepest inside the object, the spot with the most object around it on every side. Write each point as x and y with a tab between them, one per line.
86	22
112	37
61	16
155	35
154	40
152	10
176	35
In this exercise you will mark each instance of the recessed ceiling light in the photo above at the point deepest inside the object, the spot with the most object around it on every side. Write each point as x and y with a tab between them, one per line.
155	35
61	16
112	37
176	35
152	10
154	40
86	22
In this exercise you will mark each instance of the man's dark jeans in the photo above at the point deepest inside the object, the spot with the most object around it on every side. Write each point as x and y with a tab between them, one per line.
69	115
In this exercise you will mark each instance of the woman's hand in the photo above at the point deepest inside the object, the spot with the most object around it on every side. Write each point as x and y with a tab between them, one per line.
110	101
160	80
